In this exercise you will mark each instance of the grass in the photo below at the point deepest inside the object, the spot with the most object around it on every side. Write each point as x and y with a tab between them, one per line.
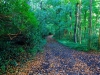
72	45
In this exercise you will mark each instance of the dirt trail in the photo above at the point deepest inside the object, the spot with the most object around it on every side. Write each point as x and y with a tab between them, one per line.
60	60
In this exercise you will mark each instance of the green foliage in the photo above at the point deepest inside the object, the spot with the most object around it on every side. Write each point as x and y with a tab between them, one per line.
77	46
3	68
20	32
25	23
62	15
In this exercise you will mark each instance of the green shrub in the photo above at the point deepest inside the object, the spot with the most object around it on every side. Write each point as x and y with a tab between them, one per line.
81	47
19	33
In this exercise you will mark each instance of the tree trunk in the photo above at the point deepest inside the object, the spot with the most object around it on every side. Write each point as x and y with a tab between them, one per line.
76	23
85	28
79	25
70	14
99	39
59	32
90	25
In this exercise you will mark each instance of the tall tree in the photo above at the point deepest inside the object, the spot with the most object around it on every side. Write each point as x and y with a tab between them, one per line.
70	14
79	24
99	39
76	22
90	25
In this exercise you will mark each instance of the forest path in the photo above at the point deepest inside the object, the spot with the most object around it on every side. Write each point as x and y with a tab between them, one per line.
60	60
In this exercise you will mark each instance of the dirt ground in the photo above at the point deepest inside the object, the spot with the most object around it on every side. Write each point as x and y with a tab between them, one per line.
60	60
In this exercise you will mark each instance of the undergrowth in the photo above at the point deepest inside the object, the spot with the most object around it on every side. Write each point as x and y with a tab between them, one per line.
77	46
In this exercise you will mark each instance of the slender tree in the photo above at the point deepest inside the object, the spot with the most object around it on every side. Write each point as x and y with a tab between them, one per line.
99	39
79	24
70	14
90	25
85	17
76	22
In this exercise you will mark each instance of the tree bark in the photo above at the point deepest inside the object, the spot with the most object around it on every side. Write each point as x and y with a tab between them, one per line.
90	25
99	39
76	23
70	14
85	28
79	25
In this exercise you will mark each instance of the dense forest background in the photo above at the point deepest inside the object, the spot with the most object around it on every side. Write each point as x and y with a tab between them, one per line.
24	24
75	23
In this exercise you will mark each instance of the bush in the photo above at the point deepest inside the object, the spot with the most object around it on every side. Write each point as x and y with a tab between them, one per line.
72	45
19	35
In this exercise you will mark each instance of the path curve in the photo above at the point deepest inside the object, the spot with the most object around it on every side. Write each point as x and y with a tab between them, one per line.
60	60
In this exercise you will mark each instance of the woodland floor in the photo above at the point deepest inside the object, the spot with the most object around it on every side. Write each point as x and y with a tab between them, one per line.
57	59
